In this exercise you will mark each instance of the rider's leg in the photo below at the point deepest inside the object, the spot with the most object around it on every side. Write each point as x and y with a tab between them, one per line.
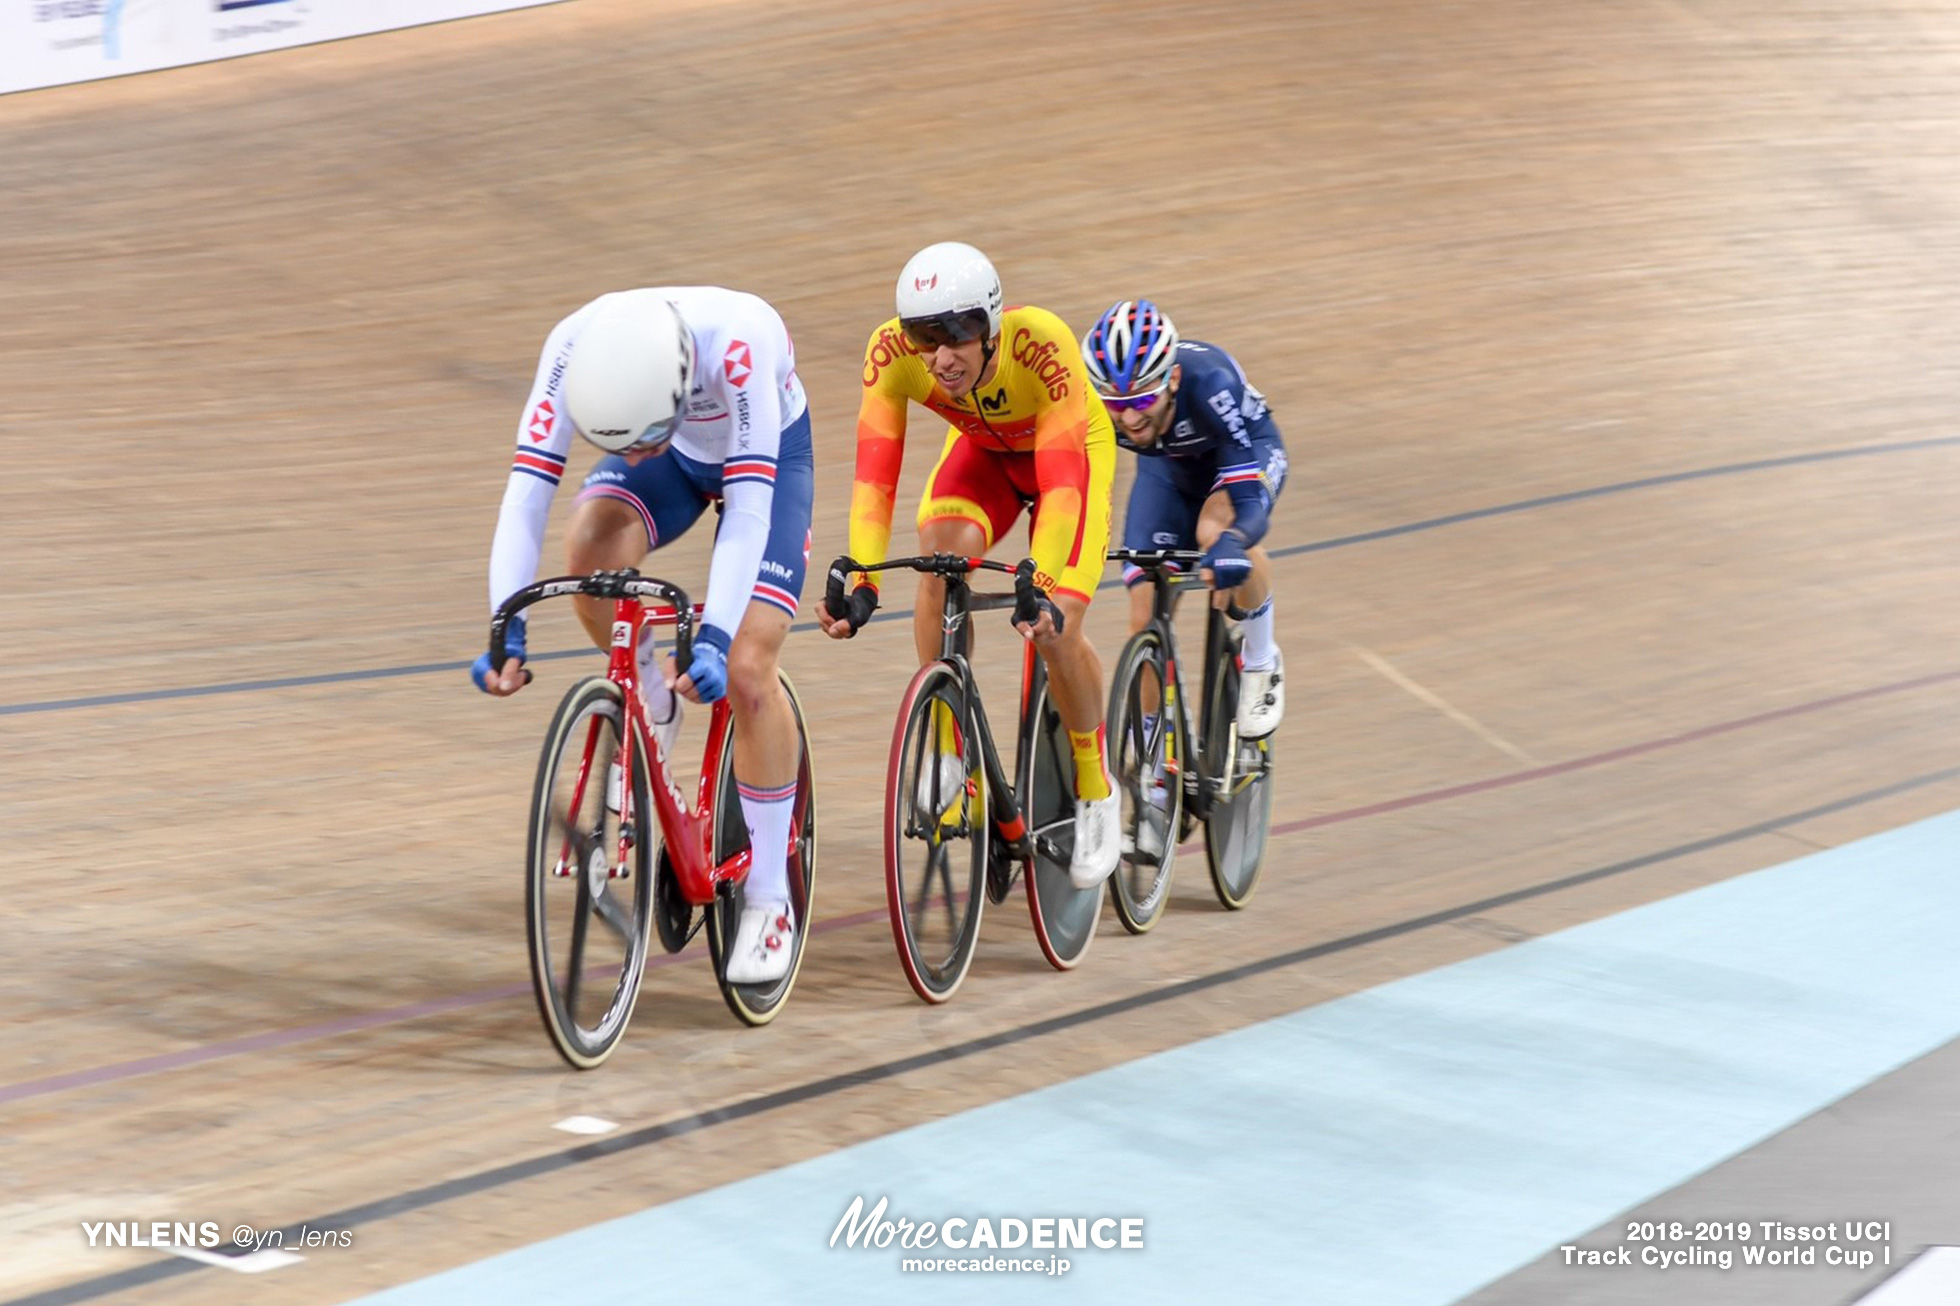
1074	671
624	512
1162	514
1262	696
767	748
1075	683
939	789
605	534
1255	596
969	502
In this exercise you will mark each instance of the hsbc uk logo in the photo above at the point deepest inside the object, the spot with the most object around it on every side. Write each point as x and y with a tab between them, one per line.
543	418
738	364
925	283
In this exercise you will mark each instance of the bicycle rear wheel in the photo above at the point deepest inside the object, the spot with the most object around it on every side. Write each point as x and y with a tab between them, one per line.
1065	917
757	1004
589	882
1144	764
1240	775
935	834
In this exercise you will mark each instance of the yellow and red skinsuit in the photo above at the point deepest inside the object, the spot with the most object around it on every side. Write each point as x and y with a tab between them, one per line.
1034	430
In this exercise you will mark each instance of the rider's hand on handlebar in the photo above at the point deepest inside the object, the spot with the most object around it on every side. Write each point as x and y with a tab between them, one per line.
513	676
1225	563
857	611
707	672
1035	614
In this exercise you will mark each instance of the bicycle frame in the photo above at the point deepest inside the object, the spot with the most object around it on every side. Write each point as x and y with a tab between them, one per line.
1003	804
1167	581
687	831
956	611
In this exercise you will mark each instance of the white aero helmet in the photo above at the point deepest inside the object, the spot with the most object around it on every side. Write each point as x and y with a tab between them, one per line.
627	380
949	293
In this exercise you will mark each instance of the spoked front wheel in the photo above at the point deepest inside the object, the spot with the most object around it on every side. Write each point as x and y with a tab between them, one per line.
1065	917
1143	759
935	834
589	883
1239	773
757	1004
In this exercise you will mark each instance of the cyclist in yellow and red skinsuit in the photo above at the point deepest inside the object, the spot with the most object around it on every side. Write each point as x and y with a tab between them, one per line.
1025	429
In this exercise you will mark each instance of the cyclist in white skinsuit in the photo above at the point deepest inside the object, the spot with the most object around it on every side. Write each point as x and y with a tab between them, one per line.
693	394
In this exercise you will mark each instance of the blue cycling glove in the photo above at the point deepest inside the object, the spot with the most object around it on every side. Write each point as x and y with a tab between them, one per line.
480	670
1230	568
708	668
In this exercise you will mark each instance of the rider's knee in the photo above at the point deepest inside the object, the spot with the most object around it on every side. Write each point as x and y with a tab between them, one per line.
751	676
603	536
952	535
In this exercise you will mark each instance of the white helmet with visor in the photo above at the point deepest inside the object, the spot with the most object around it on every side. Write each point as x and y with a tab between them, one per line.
949	294
626	383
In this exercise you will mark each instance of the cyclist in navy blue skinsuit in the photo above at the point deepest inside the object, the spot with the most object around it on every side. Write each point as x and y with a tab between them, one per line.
1211	465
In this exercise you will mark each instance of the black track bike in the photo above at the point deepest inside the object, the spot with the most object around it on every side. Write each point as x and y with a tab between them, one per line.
1175	769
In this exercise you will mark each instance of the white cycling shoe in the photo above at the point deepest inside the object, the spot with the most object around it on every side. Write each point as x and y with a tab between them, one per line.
1262	700
764	947
1098	840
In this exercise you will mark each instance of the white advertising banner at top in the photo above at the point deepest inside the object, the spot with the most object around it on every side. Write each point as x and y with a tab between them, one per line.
52	42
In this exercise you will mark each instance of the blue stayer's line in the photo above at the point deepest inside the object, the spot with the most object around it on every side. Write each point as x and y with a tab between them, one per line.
1400	1147
112	29
1310	546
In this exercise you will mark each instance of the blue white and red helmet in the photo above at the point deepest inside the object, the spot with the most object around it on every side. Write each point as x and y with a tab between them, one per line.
1130	350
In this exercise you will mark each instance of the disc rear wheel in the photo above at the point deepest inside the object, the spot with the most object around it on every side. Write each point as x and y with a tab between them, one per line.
1240	775
757	1004
1065	917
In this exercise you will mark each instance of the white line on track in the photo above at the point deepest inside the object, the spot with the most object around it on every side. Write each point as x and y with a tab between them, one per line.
1388	672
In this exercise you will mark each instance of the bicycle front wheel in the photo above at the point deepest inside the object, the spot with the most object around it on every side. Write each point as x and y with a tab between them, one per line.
1240	774
935	834
1143	759
757	1004
589	883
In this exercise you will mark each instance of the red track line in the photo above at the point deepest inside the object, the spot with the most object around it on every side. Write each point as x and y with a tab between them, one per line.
436	1006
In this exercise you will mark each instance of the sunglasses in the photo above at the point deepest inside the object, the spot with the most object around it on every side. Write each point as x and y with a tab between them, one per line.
655	437
1136	403
943	330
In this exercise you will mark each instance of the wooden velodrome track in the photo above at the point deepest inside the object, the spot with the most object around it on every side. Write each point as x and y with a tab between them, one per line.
1670	283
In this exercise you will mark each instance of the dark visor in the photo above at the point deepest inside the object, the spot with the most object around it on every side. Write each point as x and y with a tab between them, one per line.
944	329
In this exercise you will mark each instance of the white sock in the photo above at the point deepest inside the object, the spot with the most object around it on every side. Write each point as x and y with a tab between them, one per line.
653	686
768	812
1260	651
